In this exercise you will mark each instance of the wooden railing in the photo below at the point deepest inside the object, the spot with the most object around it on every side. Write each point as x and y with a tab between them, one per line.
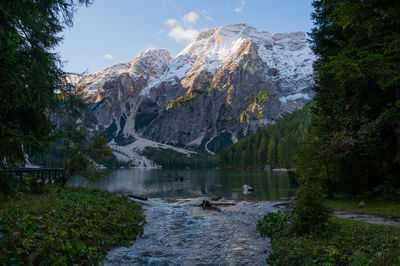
49	175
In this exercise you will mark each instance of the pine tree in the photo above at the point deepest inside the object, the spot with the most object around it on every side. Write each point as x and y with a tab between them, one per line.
30	73
357	91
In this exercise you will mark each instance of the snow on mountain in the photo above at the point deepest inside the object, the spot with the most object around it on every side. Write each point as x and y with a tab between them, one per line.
287	57
73	79
148	64
290	62
92	82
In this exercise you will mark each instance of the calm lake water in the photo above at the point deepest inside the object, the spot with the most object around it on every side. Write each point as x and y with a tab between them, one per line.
160	183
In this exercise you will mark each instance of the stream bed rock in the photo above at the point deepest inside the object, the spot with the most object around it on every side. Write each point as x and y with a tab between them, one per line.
178	232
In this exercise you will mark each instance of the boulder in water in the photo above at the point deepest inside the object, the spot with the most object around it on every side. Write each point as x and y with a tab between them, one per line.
247	189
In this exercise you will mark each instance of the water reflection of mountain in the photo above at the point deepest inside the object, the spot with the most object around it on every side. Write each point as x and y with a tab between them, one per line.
202	182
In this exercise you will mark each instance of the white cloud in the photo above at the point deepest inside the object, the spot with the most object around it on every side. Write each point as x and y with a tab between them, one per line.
205	15
181	34
108	56
171	22
191	18
240	8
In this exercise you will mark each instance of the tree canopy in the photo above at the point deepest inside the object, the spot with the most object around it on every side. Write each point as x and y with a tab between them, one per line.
357	130
31	72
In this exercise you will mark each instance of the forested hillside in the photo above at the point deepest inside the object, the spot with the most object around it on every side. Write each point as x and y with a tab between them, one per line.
170	159
276	145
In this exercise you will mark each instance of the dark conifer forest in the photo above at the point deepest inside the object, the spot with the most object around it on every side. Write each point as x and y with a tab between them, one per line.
276	145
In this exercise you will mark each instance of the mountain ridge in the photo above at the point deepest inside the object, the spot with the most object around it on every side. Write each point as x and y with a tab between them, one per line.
230	80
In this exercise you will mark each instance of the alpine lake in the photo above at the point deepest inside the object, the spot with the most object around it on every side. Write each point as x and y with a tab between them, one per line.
191	183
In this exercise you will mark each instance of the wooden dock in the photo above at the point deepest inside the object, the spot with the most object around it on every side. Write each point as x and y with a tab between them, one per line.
48	175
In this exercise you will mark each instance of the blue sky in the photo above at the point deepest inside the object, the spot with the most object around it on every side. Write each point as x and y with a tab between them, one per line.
112	31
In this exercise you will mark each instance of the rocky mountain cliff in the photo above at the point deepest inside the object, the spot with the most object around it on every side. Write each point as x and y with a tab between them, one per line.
226	83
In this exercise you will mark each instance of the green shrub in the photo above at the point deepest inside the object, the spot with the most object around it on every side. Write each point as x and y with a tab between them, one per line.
36	184
273	224
310	212
66	226
344	242
6	183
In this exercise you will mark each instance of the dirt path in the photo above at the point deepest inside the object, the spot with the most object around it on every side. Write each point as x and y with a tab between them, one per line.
372	219
368	218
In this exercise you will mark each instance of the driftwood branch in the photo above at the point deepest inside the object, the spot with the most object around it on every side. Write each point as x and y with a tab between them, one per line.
288	203
223	203
136	197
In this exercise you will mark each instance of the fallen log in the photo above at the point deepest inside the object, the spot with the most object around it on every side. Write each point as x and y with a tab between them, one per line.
206	205
136	197
283	204
223	203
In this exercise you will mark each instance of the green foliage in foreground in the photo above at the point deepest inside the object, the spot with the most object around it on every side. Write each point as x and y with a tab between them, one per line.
171	159
310	212
276	145
66	226
343	242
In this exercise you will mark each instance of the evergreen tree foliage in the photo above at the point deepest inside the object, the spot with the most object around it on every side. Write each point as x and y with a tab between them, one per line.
276	145
79	146
357	107
310	212
30	72
170	159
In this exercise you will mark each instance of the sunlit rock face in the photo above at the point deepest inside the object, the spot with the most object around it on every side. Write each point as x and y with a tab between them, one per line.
226	83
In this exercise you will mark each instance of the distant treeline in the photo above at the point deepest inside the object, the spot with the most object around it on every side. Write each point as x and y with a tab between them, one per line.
171	159
276	145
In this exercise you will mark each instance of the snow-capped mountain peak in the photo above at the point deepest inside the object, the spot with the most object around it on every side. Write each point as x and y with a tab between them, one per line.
150	62
231	79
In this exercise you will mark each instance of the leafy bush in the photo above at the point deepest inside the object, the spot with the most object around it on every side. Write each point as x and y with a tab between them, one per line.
10	185
344	242
35	184
66	226
6	183
273	224
310	212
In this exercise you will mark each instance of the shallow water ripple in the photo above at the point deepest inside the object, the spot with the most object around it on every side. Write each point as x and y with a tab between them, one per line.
181	233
